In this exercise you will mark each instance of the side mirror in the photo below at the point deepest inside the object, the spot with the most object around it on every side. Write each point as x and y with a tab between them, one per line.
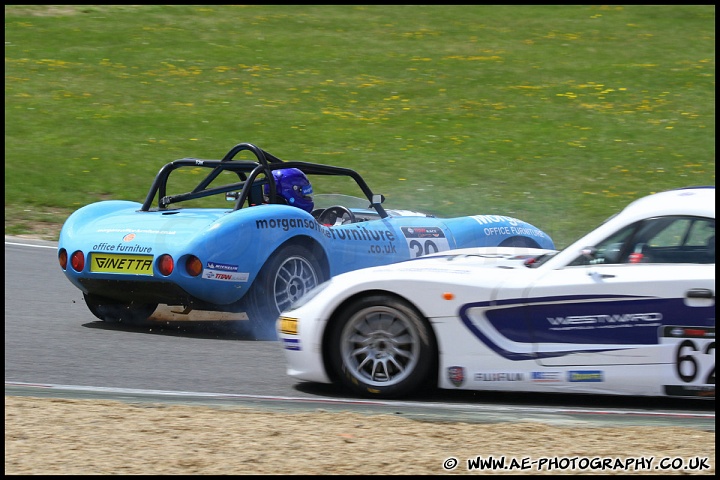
231	196
378	199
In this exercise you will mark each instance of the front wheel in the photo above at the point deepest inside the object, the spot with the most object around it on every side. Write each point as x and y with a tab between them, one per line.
114	311
381	347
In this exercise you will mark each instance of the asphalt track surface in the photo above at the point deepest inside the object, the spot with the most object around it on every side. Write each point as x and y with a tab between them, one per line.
54	347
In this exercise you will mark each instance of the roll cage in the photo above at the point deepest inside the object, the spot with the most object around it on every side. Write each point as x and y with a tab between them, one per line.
252	176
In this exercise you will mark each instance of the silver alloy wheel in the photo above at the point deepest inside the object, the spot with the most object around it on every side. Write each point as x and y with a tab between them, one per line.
380	346
294	278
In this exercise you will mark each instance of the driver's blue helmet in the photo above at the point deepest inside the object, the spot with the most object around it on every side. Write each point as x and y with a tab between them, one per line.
294	187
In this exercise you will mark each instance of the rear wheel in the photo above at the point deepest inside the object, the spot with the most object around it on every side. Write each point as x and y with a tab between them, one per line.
115	311
380	346
288	274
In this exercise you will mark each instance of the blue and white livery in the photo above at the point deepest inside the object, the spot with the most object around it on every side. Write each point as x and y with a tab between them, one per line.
629	309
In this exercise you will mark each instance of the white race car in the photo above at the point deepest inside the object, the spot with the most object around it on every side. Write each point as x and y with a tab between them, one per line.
628	309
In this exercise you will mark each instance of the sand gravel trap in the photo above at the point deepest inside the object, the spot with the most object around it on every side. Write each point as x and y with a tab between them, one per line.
68	436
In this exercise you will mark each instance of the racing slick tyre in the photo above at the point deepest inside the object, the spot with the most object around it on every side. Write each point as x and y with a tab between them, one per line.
381	347
114	311
289	273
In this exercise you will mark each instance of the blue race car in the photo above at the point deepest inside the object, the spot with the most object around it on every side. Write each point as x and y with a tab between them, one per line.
250	257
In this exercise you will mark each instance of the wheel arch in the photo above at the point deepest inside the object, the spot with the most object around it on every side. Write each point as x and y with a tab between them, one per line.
313	246
519	241
432	374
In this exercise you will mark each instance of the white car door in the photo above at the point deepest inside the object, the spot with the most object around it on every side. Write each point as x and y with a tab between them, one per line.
646	296
617	314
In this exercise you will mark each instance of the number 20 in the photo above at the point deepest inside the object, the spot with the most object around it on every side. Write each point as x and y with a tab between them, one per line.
426	249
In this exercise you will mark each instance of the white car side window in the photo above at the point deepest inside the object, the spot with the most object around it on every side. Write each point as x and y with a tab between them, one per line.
669	239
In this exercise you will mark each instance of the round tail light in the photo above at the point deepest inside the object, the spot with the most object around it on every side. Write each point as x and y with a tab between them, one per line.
77	261
62	258
165	264
193	266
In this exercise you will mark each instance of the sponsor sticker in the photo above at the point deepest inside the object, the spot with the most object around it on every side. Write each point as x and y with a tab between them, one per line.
288	326
585	376
546	377
688	332
423	232
224	275
456	375
499	377
291	344
114	263
502	225
222	266
425	240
